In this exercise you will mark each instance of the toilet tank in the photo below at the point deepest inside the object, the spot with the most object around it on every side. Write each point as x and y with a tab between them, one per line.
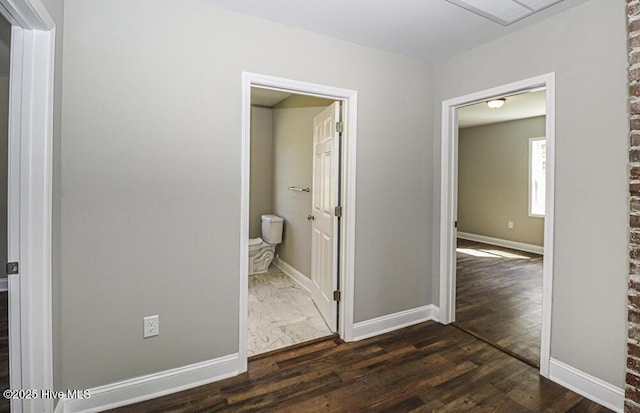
272	229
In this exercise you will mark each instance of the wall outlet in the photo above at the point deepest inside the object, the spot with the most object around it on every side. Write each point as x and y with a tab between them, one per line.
151	326
510	224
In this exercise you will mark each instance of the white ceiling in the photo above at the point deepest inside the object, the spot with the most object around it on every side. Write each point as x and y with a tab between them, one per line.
266	97
425	29
524	105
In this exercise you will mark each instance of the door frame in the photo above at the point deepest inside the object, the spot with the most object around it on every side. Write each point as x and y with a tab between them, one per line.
349	99
449	200
30	172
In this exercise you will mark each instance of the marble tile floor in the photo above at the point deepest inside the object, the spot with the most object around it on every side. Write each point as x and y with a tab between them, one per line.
281	313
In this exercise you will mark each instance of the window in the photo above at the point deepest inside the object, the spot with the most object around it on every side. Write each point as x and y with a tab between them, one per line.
537	176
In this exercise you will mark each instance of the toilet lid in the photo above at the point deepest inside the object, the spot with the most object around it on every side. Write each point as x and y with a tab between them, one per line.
255	241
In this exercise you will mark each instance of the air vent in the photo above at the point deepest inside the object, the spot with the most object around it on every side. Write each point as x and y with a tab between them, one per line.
504	12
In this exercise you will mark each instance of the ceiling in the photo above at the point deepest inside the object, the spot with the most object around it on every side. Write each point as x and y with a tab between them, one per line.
429	30
524	105
266	97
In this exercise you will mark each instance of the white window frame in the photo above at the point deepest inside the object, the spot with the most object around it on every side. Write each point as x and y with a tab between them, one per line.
530	178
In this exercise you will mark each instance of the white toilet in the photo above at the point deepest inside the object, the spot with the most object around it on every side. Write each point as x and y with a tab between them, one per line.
262	250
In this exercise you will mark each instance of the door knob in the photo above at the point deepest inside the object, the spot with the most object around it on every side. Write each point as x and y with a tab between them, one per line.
310	217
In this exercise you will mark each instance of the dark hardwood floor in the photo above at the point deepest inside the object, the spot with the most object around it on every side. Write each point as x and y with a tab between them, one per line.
4	349
424	368
499	297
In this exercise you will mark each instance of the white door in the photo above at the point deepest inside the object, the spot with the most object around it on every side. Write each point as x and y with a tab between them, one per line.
324	244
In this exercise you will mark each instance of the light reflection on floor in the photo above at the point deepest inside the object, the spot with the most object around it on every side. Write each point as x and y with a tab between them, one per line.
486	253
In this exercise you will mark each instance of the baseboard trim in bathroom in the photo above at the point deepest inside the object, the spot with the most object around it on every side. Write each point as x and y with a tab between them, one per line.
301	279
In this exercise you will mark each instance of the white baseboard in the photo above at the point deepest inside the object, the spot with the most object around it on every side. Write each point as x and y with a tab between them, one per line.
520	246
391	322
297	276
4	284
152	386
586	385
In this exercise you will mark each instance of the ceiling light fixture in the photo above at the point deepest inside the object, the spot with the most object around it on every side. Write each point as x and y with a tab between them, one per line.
496	103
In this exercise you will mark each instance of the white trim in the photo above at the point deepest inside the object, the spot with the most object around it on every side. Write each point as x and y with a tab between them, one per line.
27	14
13	211
396	321
152	386
245	181
29	198
520	246
298	277
449	193
549	225
349	99
592	388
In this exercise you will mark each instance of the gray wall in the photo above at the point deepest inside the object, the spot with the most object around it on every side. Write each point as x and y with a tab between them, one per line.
150	218
493	180
260	197
148	222
590	260
293	166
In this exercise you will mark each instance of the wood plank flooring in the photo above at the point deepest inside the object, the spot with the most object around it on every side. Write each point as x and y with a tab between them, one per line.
4	349
424	368
499	297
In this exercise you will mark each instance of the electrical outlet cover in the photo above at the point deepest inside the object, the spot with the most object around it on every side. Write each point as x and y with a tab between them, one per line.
151	326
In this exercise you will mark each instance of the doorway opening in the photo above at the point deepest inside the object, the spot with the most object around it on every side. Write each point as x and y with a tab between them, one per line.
290	287
500	215
501	263
304	212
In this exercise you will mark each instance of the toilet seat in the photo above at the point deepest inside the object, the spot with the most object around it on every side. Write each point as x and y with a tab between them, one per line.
254	242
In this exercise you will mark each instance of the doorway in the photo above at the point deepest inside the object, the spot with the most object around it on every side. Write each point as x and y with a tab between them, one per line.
290	298
449	202
341	202
500	215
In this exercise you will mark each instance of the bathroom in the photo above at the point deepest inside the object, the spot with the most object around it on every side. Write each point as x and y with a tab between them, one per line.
281	310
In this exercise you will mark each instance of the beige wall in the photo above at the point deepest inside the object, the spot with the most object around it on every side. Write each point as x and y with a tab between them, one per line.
293	166
588	328
150	169
493	181
261	168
